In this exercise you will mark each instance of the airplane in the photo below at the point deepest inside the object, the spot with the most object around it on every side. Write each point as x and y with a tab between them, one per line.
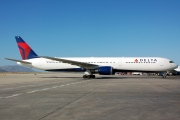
91	65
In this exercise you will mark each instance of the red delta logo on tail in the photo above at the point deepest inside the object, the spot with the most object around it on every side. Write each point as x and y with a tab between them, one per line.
24	49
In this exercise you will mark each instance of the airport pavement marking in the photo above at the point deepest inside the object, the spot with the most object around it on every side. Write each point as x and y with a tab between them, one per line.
15	95
85	94
44	89
28	86
32	91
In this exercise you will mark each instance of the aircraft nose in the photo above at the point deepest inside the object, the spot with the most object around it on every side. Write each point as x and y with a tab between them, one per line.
175	66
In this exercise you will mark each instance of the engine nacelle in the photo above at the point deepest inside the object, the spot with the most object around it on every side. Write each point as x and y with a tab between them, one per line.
105	70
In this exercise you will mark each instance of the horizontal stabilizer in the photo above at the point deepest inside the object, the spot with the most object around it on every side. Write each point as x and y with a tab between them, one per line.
24	62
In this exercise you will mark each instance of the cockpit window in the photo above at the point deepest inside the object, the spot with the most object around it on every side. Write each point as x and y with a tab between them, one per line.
171	62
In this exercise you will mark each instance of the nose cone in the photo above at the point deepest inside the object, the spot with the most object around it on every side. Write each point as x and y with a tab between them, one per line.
175	66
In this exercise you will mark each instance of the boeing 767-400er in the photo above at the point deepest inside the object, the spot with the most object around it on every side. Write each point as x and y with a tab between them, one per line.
92	65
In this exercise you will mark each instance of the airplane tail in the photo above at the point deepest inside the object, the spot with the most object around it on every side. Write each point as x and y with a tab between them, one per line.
24	49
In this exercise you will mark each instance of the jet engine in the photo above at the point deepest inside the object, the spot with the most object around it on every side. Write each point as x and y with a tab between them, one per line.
105	70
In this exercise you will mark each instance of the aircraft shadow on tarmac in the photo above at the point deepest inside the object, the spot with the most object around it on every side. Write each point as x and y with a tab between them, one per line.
59	77
139	77
131	77
105	77
84	79
119	77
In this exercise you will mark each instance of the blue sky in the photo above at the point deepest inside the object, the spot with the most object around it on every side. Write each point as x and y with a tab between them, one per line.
86	28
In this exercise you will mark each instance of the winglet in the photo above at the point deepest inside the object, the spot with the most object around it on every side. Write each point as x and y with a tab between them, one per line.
24	49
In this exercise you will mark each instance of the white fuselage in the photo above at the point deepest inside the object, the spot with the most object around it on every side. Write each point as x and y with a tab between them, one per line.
117	63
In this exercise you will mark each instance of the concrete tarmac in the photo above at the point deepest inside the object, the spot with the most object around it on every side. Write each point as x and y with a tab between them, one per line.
59	96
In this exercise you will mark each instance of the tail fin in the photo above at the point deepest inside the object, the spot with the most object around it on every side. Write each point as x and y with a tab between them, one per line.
24	49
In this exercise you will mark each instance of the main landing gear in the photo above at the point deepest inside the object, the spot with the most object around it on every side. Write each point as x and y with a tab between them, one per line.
88	74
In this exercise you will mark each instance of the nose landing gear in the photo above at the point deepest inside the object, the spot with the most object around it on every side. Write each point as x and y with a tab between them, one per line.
164	75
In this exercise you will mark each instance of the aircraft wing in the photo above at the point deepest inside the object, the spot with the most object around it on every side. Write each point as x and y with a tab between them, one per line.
77	63
21	61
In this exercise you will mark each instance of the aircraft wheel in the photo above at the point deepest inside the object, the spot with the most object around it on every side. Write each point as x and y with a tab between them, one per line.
89	76
164	75
93	76
85	76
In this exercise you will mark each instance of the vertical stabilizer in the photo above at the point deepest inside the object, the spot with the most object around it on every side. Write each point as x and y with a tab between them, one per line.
24	49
